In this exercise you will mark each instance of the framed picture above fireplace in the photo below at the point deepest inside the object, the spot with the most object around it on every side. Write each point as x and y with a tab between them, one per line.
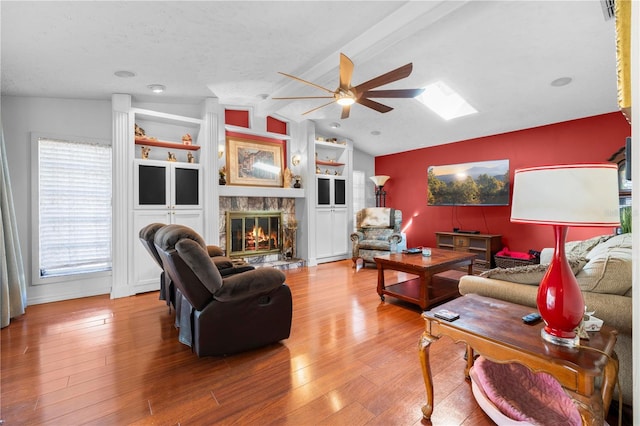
254	162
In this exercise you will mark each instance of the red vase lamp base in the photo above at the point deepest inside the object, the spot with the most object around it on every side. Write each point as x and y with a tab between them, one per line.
570	342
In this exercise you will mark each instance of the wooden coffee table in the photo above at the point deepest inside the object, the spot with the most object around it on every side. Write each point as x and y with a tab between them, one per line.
494	329
421	290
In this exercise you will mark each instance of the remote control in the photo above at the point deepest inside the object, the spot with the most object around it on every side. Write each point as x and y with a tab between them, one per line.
531	318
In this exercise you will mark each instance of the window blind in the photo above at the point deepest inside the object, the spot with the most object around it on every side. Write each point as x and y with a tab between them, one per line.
74	207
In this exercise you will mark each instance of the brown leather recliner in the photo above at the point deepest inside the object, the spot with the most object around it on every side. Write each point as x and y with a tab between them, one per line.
224	315
225	265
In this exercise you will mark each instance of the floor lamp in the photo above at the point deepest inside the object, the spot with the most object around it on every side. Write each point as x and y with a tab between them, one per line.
563	196
381	195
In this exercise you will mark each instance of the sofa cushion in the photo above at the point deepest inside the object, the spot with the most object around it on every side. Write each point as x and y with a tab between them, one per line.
374	245
618	241
529	274
574	249
381	234
608	272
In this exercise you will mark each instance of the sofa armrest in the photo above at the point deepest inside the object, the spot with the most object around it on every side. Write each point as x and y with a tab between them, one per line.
522	294
357	236
248	284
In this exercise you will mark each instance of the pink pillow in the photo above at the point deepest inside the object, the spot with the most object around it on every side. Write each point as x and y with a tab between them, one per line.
525	396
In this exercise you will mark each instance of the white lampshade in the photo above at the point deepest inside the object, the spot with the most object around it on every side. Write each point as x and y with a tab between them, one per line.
570	195
379	180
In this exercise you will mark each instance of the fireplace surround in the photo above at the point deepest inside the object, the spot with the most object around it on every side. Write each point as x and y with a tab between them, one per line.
252	233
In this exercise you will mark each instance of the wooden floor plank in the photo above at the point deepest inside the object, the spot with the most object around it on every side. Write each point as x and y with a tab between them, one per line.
351	359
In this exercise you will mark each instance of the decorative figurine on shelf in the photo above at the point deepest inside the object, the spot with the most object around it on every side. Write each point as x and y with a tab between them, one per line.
286	178
297	184
139	131
144	152
186	139
190	158
222	172
318	171
171	156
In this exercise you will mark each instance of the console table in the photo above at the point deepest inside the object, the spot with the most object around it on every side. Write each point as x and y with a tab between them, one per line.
494	329
484	246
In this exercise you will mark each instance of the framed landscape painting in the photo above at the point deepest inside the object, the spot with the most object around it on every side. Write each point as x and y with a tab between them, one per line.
254	162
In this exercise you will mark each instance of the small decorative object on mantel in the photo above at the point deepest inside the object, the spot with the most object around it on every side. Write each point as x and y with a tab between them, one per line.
222	172
297	183
144	152
171	156
186	139
139	131
190	158
286	178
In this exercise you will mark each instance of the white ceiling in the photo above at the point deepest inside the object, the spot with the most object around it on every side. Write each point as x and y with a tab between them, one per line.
501	55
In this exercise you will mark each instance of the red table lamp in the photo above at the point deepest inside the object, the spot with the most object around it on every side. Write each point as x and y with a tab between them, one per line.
563	196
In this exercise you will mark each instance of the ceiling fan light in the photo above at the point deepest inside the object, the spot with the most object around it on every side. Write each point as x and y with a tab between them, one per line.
346	101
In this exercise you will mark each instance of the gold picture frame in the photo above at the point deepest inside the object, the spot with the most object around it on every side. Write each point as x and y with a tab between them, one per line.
254	162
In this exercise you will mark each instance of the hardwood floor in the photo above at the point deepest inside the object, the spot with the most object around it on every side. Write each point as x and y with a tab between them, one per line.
350	360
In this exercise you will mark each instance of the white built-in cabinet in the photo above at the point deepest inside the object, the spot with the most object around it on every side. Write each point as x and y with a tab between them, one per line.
167	184
332	195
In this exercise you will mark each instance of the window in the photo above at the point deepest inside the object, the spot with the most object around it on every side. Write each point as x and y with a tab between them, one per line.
72	208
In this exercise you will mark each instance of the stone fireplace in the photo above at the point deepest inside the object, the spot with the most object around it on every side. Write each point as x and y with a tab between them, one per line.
273	247
251	233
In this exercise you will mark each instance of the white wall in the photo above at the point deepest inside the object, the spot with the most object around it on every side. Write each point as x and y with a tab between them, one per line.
56	117
366	163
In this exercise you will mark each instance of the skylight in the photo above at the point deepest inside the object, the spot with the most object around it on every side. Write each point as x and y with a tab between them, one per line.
444	101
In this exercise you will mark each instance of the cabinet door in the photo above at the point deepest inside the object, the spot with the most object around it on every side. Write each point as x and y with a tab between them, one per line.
324	233
144	270
339	192
339	232
151	184
191	218
186	190
324	191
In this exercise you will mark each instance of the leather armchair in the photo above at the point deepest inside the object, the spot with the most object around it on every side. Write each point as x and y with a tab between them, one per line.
222	315
377	228
225	265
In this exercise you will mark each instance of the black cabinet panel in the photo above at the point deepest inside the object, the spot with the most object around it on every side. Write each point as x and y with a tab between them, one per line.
340	192
324	191
151	185
186	186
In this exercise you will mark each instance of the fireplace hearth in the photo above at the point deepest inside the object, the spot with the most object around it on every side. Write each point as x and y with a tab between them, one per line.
253	233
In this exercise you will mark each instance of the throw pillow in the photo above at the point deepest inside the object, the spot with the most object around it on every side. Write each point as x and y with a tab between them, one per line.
618	241
529	274
575	248
376	217
608	273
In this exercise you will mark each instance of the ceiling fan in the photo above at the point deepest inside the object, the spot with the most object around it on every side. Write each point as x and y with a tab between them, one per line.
346	94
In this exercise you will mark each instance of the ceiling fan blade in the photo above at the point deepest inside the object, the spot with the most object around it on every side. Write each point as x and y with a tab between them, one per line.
346	71
374	105
305	82
345	111
401	93
305	97
317	108
394	75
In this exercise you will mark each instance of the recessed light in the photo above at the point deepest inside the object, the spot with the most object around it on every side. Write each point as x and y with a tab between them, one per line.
263	96
562	81
376	132
124	74
156	88
334	125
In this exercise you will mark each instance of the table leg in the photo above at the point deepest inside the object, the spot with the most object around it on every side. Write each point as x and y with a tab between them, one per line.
423	346
425	283
469	362
609	381
380	281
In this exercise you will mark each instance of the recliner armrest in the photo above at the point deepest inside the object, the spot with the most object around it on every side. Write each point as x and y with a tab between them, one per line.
215	251
248	284
357	236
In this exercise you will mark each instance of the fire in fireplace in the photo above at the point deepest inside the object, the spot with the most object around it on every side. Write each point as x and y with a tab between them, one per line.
251	233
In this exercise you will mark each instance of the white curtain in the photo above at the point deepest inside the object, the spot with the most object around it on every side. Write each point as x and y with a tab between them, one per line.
13	288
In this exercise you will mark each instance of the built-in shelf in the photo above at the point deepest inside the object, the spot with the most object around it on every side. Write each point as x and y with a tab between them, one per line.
164	144
328	163
259	191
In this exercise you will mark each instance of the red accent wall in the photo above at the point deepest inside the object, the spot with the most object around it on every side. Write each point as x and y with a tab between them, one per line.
236	117
592	139
276	126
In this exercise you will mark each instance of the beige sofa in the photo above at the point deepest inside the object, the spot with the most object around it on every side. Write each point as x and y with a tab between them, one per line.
603	269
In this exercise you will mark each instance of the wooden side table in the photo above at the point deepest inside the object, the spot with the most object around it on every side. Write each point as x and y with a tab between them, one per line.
494	329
